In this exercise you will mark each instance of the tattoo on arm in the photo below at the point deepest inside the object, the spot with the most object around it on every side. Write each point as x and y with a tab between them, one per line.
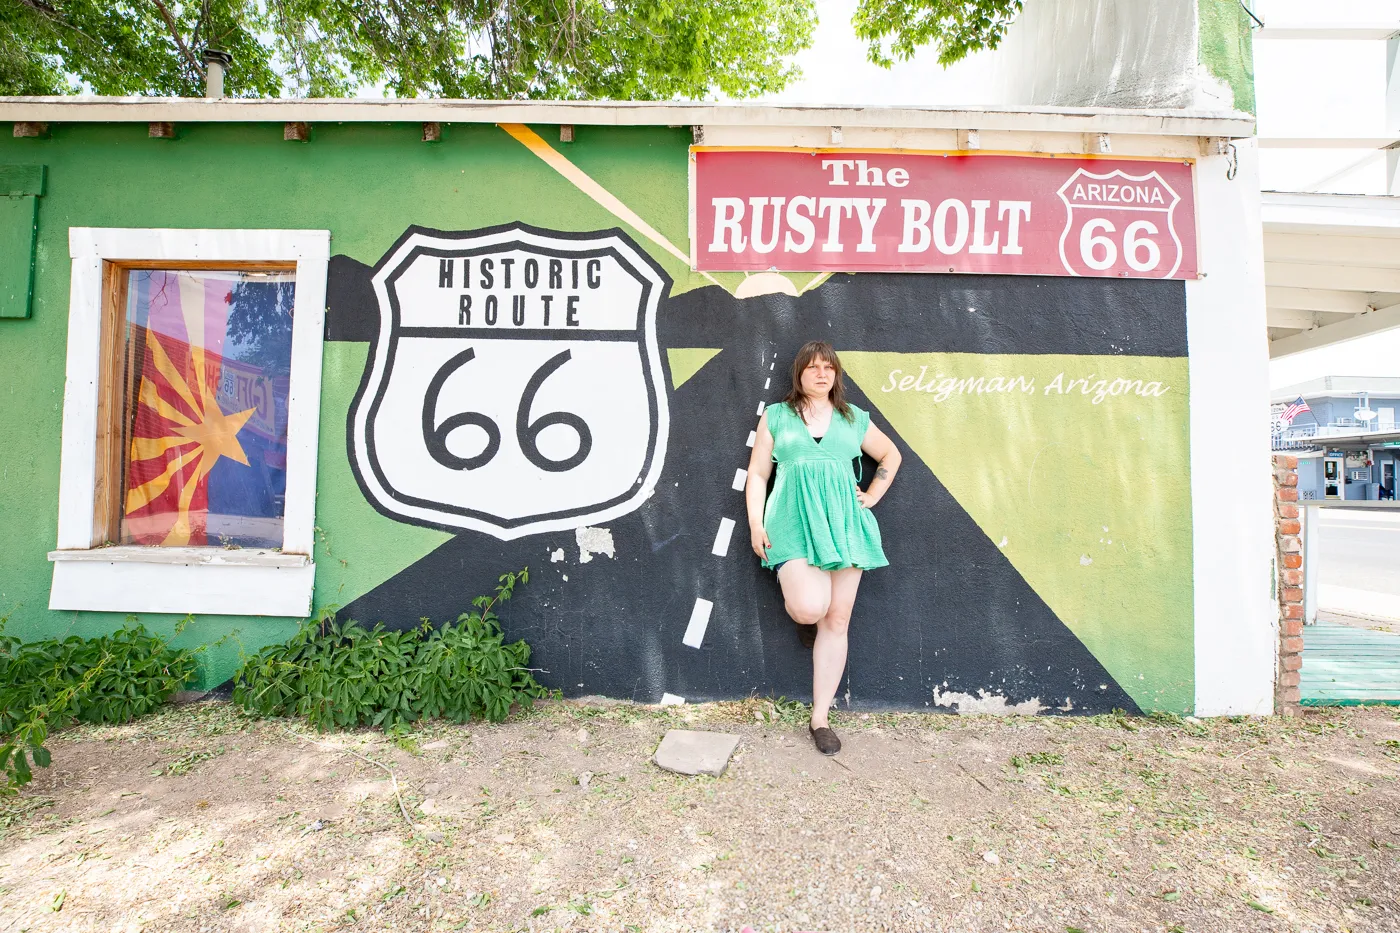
882	473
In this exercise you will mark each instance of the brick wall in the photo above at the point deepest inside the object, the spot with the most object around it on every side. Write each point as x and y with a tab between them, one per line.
1289	541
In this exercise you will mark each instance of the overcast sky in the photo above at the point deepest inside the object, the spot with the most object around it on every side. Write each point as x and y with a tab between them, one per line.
836	71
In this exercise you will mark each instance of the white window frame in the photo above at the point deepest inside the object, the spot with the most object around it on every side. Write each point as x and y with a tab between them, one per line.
202	580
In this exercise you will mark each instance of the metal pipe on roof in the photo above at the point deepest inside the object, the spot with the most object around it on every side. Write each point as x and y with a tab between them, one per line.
215	62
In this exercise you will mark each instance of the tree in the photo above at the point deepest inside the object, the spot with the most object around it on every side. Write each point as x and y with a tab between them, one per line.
502	49
897	28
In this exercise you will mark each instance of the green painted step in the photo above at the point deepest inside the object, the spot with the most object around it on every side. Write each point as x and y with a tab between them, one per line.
1348	666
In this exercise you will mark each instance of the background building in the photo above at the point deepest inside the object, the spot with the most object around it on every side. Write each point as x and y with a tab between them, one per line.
1347	442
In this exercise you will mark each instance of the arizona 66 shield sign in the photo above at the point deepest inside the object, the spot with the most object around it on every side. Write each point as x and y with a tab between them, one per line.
898	211
514	386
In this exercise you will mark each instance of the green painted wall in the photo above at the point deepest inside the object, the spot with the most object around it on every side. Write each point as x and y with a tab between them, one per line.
247	176
1227	49
1126	598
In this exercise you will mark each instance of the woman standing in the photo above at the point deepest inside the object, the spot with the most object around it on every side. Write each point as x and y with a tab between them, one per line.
816	530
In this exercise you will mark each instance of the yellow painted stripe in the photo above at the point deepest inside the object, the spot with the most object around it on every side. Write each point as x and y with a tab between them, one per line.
1019	153
602	196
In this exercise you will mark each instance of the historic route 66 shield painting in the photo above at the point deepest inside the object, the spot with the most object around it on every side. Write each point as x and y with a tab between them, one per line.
514	386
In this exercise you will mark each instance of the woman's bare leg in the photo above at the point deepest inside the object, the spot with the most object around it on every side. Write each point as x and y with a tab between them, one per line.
829	653
806	591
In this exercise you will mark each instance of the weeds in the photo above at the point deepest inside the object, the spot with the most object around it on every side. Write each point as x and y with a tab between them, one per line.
45	685
338	675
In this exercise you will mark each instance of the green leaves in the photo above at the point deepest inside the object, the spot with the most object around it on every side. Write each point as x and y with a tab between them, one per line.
339	675
576	49
111	679
896	29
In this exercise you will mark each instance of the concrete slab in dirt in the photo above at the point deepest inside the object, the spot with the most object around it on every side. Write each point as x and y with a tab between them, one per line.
688	752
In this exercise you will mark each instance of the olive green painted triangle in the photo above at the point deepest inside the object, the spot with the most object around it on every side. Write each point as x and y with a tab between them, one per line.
1089	501
356	548
686	362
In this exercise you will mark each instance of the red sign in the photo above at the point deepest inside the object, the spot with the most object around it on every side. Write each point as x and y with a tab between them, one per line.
891	211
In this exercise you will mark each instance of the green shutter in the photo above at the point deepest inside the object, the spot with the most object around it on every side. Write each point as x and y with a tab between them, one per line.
21	186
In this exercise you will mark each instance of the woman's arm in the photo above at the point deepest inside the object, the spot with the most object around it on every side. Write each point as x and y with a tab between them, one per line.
756	486
882	450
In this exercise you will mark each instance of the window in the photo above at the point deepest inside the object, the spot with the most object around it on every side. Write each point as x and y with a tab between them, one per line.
191	411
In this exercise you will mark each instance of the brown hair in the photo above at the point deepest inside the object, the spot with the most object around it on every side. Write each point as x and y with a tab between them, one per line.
818	349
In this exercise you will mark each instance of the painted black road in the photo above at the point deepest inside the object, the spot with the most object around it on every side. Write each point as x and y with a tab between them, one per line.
950	613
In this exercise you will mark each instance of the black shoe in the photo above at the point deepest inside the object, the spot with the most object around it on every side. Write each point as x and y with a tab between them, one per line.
826	740
807	634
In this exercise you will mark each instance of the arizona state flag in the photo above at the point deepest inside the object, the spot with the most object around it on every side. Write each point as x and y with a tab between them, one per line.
177	328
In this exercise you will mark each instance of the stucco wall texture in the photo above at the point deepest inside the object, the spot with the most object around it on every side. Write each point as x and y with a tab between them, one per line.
1041	542
1125	53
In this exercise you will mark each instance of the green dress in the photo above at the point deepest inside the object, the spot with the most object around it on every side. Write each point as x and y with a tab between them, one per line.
813	513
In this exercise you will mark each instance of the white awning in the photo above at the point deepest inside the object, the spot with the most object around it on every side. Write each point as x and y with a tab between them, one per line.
1331	268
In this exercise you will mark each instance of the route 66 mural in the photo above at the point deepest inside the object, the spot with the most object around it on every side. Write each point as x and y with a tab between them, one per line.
514	386
583	401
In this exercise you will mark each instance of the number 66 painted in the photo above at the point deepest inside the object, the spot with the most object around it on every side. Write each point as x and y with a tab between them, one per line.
527	432
1117	224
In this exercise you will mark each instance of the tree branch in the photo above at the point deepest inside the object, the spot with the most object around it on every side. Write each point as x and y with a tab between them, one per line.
175	34
52	15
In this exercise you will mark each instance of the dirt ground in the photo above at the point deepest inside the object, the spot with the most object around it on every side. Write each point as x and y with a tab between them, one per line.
199	819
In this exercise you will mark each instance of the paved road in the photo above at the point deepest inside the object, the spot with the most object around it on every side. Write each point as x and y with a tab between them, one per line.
1360	561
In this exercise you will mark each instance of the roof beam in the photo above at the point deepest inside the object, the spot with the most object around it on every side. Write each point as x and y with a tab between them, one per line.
1304	247
1353	328
1296	319
1338	277
1334	301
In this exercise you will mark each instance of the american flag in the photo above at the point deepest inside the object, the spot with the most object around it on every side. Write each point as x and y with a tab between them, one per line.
1294	409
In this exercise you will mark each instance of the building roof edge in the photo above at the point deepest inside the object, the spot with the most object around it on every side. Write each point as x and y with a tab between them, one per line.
89	109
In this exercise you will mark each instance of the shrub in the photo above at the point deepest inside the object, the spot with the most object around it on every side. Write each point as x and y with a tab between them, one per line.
338	675
45	685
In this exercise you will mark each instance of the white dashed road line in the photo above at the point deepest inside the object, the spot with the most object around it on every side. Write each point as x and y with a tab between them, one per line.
699	621
700	614
722	536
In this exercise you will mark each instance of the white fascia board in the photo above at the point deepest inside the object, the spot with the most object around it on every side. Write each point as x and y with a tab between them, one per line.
1236	616
1233	124
1353	214
1328	142
1330	31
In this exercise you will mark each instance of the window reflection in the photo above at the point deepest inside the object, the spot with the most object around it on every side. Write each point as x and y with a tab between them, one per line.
205	375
